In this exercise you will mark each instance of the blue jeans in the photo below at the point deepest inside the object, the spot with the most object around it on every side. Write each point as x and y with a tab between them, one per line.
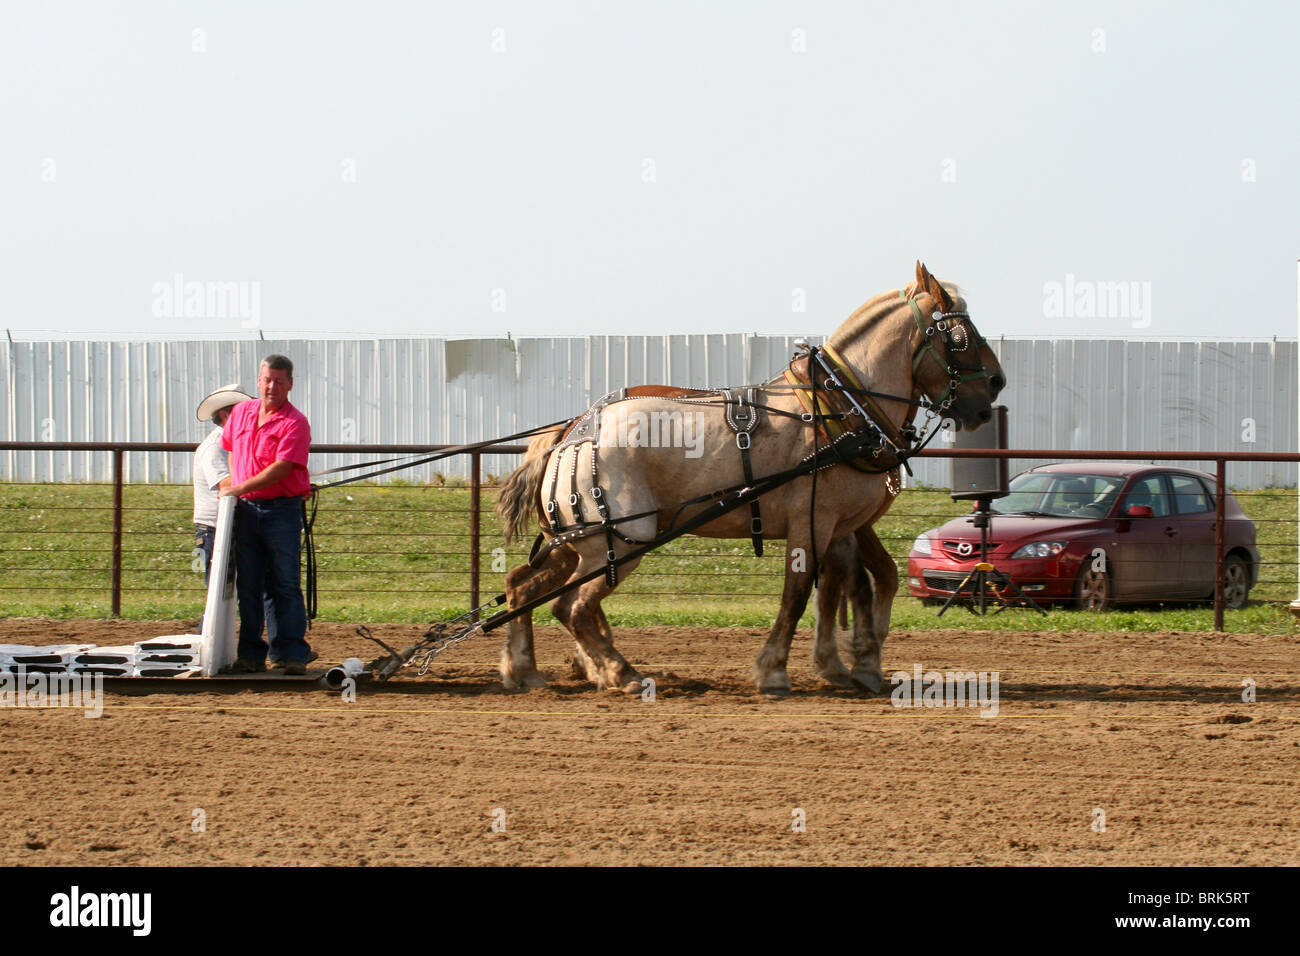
205	539
268	548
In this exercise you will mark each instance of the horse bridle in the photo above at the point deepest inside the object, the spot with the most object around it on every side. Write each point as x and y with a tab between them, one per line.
959	337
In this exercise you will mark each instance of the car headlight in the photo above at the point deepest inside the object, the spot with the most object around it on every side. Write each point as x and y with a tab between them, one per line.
922	544
1040	549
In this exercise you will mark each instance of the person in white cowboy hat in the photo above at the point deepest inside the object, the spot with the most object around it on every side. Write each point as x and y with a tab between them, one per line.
211	474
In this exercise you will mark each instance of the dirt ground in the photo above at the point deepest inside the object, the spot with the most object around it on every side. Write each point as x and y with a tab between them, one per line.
1148	729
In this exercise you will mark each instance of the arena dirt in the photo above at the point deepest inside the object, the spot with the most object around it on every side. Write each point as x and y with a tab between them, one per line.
1148	729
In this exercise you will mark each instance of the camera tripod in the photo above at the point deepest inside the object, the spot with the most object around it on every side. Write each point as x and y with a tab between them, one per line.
985	584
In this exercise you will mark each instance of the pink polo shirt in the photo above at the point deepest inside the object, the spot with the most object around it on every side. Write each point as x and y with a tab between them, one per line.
285	436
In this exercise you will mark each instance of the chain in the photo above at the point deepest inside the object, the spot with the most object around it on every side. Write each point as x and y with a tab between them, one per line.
424	659
440	641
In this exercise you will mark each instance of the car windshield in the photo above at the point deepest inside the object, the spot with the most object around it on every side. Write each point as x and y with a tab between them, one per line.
1061	495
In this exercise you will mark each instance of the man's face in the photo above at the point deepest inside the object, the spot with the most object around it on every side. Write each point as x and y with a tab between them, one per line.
274	385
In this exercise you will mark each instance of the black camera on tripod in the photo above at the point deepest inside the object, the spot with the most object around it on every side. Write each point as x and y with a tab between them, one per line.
982	480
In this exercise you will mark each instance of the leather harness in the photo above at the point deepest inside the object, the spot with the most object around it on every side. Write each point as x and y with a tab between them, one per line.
835	401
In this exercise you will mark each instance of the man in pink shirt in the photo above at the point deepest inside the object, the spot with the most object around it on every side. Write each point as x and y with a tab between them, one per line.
268	440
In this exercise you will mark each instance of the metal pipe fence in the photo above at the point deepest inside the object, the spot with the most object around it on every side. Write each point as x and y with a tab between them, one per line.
127	545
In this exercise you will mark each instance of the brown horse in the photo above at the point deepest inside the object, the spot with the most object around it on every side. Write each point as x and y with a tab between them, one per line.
635	458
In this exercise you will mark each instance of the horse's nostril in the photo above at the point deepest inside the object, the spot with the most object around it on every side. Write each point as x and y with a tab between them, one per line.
984	415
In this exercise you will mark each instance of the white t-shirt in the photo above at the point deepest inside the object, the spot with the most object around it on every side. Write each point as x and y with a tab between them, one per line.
211	467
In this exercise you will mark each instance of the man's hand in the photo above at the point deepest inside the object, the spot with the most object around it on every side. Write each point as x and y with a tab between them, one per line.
270	475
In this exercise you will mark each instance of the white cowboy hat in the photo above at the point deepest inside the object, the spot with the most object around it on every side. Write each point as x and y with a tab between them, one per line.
223	397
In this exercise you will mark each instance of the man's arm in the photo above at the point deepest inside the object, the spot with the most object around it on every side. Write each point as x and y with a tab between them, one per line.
216	472
272	473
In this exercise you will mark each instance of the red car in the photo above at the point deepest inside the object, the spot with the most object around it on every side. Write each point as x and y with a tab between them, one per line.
1097	533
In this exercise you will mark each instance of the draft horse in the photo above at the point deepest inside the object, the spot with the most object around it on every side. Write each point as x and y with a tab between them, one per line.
609	482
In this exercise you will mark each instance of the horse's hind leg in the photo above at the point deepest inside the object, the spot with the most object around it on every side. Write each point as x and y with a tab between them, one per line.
523	584
871	629
579	610
584	668
841	571
602	662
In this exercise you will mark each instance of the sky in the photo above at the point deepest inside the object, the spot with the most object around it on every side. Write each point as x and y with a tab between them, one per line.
239	169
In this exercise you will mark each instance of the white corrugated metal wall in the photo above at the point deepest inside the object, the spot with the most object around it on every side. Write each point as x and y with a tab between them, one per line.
1061	393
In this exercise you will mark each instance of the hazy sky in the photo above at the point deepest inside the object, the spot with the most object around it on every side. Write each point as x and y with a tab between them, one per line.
569	168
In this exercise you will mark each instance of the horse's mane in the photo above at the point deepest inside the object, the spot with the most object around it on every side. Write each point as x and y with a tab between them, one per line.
879	306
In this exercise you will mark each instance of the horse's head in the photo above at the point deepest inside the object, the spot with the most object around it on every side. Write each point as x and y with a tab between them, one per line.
953	365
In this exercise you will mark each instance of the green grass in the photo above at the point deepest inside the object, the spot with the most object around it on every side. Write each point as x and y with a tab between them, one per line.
398	553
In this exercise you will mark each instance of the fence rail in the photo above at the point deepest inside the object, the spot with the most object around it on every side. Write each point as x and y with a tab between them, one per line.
475	487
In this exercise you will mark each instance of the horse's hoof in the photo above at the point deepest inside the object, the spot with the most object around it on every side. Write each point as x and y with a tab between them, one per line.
631	687
838	677
869	681
776	684
518	683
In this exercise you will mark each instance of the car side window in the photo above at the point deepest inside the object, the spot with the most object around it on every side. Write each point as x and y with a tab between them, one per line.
1150	492
1189	495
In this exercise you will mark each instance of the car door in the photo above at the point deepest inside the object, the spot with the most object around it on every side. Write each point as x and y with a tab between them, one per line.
1194	508
1144	552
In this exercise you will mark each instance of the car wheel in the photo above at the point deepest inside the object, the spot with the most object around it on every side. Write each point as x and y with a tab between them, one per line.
1094	590
1236	582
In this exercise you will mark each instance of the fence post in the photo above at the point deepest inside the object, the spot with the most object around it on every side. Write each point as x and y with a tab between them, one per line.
475	496
117	532
1220	478
1294	606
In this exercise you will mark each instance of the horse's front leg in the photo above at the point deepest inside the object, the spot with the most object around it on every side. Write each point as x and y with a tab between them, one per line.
840	570
770	669
870	629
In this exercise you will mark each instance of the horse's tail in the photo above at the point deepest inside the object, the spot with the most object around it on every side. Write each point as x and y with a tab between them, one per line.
519	495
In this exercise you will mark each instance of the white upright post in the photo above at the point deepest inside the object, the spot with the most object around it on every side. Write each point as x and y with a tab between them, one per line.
219	645
1295	605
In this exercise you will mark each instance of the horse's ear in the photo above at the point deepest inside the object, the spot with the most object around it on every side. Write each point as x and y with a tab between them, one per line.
938	293
921	273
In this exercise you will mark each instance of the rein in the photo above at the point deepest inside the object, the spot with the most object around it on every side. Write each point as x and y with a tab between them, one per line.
445	453
310	502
